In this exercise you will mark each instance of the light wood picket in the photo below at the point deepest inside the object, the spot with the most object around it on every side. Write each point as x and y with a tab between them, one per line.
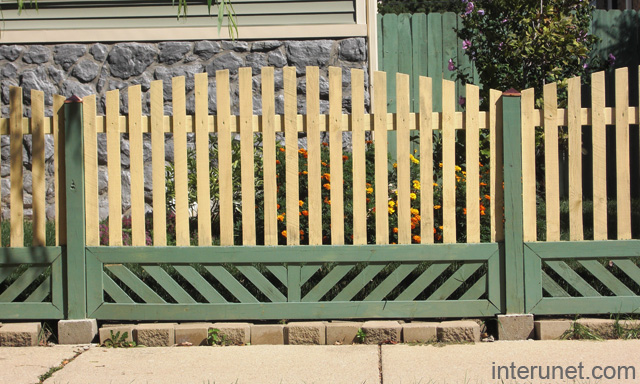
314	156
136	166
113	167
426	161
381	175
157	166
623	194
15	153
528	165
335	156
246	159
269	160
91	171
473	165
291	154
575	160
359	158
448	163
551	166
202	158
496	176
599	157
37	168
404	161
180	158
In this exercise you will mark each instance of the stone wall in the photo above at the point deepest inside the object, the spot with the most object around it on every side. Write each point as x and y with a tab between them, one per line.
85	69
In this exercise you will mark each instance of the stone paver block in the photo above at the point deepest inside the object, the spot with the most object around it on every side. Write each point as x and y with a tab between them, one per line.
19	334
312	332
194	333
551	329
604	328
82	331
267	334
234	333
155	335
459	331
378	332
105	332
515	327
420	332
343	332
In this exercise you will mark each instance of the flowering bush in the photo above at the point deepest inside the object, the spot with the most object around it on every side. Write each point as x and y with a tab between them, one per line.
524	44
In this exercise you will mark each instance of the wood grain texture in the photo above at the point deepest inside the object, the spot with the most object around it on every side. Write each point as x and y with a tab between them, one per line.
37	168
448	162
314	156
496	165
359	158
59	166
623	197
381	186
224	157
92	213
473	163
138	233
15	166
180	159
291	155
156	120
269	160
246	158
335	156
202	158
426	161
575	160
112	117
599	132
552	178
403	209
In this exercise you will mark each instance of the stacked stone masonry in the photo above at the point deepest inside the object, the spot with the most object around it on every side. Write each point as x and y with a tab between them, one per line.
86	69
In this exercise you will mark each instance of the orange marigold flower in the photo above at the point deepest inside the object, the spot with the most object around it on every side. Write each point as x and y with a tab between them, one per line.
414	220
416	238
325	144
487	197
327	186
281	217
368	200
305	213
284	233
369	191
301	232
327	177
413	226
437	207
395	230
345	157
301	203
369	142
464	211
434	230
483	184
323	163
482	207
305	172
481	213
480	164
438	237
278	206
281	149
277	161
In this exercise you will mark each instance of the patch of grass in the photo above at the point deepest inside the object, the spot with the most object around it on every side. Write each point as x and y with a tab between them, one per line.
361	336
55	369
578	331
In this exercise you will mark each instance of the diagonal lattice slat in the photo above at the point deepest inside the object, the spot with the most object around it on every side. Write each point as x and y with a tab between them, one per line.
279	272
630	269
571	277
262	283
391	282
363	278
231	284
477	289
21	283
549	285
200	284
114	291
307	271
135	284
455	281
422	282
328	282
169	284
40	293
606	278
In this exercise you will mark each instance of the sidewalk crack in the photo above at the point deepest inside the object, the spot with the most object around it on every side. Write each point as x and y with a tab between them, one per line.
380	363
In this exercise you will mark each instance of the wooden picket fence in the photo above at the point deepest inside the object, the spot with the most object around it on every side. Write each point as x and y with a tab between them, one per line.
511	271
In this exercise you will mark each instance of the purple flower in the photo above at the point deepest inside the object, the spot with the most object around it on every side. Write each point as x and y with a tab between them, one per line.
462	101
451	66
612	59
585	65
500	46
466	44
504	20
481	12
469	9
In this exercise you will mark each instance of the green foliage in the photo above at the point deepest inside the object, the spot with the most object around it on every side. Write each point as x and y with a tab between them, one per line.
361	336
578	331
419	6
118	340
215	338
524	44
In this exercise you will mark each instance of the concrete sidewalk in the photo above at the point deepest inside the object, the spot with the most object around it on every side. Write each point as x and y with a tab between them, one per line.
386	364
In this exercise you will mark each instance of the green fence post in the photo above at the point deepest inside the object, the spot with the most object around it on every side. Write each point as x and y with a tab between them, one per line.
74	184
513	236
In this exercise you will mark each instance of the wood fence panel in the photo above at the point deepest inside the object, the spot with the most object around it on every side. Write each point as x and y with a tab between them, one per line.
574	106
599	133
291	154
37	168
269	160
623	194
434	57
92	212
157	165
203	181
405	49
403	160
381	163
112	117
246	158
359	158
391	54
528	165
448	162
138	235
472	142
335	155
426	161
181	181
552	177
225	175
419	55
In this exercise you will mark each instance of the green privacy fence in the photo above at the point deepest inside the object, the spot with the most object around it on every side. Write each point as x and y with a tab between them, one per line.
422	44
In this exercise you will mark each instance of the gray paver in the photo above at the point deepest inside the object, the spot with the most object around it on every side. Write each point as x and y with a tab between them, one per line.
25	365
